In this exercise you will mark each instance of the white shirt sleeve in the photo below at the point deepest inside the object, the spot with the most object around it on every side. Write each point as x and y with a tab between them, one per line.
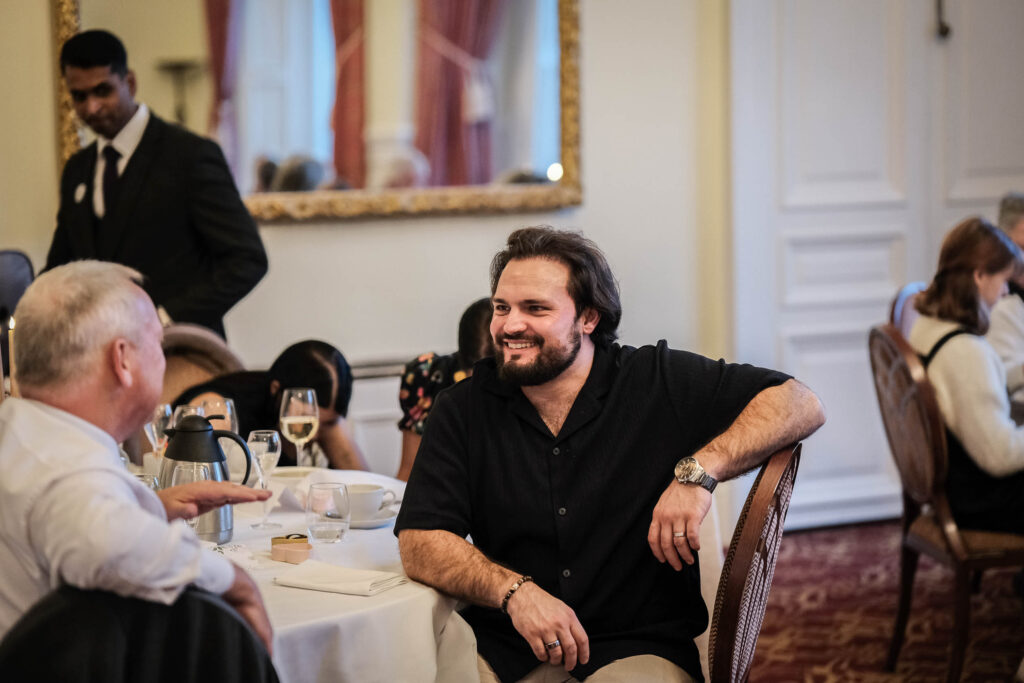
970	386
1006	335
105	540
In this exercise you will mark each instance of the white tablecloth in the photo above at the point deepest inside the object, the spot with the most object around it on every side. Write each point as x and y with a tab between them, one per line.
408	633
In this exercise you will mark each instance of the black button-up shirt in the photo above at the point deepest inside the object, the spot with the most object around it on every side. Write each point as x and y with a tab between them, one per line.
573	510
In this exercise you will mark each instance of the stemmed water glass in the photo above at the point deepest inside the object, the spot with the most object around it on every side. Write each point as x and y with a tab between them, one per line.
186	473
156	428
265	446
183	411
224	407
300	418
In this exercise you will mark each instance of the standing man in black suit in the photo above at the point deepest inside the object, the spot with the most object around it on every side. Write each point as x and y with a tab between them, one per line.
151	195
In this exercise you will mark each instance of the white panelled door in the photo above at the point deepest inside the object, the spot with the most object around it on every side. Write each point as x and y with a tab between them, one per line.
858	139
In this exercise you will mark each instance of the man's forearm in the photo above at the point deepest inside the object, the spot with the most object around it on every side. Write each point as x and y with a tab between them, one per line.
454	566
776	417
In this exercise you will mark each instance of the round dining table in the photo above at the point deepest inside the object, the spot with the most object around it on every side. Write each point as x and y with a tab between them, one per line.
408	633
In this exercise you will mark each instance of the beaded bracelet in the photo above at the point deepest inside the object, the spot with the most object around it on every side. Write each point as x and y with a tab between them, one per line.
515	586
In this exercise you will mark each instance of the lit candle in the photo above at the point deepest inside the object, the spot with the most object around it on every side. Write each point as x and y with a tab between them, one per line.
10	356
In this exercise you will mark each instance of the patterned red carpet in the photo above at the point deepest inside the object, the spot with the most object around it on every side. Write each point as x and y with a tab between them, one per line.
832	605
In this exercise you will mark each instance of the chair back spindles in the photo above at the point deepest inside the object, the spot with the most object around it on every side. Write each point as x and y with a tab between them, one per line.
910	414
749	567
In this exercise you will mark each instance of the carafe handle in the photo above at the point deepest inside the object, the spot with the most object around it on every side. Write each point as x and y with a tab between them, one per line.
217	433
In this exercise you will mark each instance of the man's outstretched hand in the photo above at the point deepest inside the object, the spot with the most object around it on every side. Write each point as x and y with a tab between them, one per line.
190	500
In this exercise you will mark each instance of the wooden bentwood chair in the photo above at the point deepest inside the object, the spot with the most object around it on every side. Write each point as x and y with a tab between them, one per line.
194	355
917	438
749	567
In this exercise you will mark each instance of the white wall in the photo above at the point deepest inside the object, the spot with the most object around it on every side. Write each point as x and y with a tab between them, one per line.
28	138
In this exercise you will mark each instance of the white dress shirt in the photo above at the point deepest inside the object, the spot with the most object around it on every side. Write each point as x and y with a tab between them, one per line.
125	142
71	513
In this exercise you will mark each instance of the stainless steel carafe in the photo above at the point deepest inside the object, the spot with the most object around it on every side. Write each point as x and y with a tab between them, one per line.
194	439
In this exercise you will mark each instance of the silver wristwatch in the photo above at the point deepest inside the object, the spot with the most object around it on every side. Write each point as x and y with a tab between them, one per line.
689	471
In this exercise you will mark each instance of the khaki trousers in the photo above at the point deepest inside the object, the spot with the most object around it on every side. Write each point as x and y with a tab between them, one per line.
636	669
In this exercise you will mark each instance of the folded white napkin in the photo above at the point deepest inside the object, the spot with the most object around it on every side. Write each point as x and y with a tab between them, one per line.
320	576
290	497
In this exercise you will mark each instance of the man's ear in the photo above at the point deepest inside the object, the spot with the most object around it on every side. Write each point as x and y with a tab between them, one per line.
129	78
121	362
275	386
590	318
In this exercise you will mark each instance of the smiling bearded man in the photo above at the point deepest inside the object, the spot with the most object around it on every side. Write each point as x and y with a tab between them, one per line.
582	469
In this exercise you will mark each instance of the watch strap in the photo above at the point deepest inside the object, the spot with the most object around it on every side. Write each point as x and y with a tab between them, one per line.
708	482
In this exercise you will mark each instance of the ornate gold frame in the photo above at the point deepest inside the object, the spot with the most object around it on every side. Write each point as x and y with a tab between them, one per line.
296	206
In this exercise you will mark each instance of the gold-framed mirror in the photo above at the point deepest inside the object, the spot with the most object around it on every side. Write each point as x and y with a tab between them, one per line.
357	203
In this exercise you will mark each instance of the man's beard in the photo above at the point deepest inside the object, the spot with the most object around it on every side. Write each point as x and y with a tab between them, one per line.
550	362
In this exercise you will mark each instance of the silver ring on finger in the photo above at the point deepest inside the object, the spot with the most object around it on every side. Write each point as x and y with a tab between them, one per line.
556	643
679	534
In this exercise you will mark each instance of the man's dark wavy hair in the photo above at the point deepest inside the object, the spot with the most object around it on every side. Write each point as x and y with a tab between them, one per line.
94	48
591	283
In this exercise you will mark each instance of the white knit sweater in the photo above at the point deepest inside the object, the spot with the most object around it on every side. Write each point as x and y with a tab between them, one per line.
1006	335
970	385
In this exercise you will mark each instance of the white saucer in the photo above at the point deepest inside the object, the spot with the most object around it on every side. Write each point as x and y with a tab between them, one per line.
383	518
293	473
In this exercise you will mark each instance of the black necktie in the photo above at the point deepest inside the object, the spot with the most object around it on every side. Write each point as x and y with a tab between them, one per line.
110	157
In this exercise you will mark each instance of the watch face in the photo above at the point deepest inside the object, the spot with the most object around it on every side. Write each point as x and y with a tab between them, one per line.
687	470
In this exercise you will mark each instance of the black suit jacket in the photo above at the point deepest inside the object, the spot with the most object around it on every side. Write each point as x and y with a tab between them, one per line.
177	219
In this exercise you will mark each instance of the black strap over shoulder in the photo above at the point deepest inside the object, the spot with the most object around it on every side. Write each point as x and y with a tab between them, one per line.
926	359
1016	289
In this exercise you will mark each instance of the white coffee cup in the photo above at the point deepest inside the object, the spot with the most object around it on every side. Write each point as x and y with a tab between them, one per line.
368	500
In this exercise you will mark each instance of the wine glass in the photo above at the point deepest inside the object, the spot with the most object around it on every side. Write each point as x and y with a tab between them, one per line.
156	428
224	407
186	473
265	446
328	513
183	411
300	418
228	420
149	481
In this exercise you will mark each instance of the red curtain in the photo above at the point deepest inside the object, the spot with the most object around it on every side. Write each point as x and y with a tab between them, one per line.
223	37
348	115
454	101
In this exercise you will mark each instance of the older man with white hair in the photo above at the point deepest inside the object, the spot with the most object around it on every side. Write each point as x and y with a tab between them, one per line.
89	366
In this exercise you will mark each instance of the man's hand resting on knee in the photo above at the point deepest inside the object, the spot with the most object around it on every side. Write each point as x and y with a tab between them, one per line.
542	619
